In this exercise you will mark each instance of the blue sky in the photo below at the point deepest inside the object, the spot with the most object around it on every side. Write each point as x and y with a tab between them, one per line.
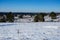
29	5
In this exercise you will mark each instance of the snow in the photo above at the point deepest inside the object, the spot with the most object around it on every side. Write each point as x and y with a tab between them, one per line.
55	27
47	18
25	16
24	19
30	31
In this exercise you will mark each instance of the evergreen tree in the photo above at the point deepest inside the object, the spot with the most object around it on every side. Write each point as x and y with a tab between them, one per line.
39	18
53	15
10	17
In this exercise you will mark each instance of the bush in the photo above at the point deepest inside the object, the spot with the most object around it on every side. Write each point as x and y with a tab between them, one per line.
53	15
10	17
39	18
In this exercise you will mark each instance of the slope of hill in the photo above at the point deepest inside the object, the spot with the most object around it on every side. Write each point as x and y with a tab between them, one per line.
30	31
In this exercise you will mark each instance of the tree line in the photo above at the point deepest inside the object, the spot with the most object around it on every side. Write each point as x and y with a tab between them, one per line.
37	18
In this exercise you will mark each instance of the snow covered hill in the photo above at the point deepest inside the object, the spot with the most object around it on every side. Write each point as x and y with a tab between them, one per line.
30	31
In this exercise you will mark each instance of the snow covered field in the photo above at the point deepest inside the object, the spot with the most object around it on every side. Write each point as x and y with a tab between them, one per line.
30	31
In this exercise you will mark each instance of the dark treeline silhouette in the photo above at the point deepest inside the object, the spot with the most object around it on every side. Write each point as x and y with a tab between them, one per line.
39	17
